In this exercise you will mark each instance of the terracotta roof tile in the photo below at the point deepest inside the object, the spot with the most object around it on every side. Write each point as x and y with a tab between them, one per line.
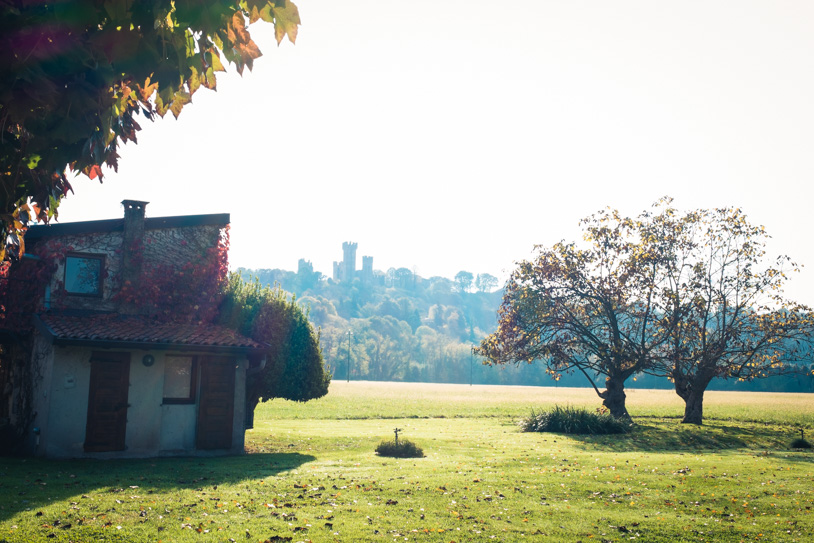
140	329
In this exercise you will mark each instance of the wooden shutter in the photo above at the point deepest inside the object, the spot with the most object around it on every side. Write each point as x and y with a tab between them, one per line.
216	406
106	427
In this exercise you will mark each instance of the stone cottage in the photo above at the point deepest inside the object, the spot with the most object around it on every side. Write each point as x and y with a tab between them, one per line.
126	362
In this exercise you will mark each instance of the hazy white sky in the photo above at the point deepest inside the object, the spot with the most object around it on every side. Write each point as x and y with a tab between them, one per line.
454	135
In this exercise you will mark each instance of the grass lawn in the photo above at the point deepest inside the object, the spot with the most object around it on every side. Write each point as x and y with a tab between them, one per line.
312	475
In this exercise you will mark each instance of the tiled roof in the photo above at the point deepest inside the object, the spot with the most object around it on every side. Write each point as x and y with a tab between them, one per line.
133	331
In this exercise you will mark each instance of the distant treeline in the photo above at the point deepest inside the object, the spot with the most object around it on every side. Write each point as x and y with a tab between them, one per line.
399	326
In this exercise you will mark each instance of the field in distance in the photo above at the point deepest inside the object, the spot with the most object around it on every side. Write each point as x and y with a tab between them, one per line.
372	399
312	475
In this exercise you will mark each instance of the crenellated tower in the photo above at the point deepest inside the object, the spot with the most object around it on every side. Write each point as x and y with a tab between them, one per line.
367	269
348	261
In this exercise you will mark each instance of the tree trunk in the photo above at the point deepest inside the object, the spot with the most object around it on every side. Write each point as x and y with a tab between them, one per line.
691	389
613	397
694	408
251	404
254	391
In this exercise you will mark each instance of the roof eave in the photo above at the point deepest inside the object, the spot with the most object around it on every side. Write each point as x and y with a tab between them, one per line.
57	341
156	346
40	231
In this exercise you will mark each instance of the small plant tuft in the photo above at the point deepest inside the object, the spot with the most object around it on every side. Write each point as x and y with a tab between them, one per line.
800	442
403	449
399	448
570	420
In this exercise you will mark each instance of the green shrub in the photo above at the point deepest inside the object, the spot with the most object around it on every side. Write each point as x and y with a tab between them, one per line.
399	449
295	369
800	442
570	420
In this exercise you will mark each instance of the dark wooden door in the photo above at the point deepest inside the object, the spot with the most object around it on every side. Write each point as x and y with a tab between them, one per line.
107	402
216	407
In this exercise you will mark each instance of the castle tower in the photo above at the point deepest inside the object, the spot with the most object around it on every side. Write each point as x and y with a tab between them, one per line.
348	261
367	269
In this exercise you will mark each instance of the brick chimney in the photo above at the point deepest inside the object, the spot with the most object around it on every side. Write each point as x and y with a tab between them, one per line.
132	247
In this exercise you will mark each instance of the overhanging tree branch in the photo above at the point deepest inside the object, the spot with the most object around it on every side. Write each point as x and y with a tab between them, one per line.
74	74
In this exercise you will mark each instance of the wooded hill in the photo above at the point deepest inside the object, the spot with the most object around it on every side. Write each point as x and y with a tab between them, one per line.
402	327
399	326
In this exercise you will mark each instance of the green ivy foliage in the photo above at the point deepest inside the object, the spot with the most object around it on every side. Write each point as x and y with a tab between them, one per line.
294	369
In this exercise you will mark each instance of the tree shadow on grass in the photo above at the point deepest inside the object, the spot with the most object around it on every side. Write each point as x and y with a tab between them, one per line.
672	436
27	484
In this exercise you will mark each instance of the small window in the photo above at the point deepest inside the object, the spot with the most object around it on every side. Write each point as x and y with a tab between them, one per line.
83	274
179	379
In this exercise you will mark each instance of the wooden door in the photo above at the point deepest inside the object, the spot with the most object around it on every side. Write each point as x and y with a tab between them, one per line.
216	406
107	402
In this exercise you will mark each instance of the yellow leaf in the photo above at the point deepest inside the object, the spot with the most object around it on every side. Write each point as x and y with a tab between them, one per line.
179	100
217	65
286	21
210	82
194	81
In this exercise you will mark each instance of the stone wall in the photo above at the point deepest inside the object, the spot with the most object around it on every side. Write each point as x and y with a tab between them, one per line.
172	248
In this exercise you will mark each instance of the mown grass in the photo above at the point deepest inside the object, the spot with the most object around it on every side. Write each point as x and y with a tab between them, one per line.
318	478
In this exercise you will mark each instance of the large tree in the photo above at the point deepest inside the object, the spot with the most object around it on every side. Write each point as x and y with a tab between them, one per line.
591	308
485	282
463	281
725	300
684	295
74	74
294	369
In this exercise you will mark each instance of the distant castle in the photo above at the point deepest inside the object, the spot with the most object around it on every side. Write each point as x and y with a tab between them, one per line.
345	271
